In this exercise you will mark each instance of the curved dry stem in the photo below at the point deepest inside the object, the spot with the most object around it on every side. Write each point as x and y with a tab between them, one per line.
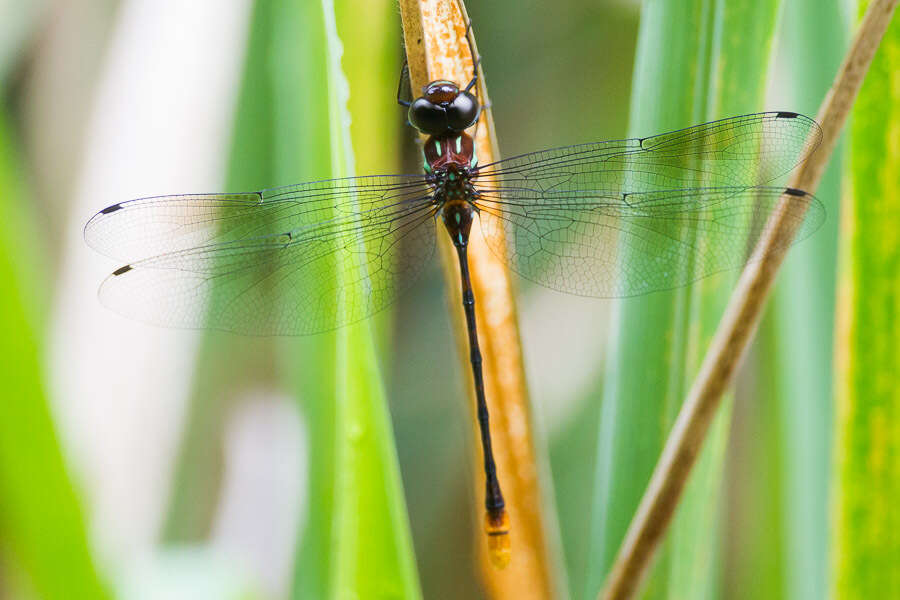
738	325
436	48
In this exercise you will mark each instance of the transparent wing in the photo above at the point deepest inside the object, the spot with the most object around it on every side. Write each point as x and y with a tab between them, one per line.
740	151
294	261
147	227
627	217
614	246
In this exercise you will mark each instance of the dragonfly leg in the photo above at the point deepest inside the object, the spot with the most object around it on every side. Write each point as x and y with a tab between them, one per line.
484	107
404	77
476	59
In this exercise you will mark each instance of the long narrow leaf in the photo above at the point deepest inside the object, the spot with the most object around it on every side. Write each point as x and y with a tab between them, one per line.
780	495
641	390
743	35
372	551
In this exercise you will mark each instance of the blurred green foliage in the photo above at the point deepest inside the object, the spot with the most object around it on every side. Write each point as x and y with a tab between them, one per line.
559	73
42	530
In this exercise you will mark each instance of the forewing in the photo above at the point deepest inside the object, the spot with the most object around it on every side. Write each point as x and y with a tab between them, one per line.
740	151
289	261
147	227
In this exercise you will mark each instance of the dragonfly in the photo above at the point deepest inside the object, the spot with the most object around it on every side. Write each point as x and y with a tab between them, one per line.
609	219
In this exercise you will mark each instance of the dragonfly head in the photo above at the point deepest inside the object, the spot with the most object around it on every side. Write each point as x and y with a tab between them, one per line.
443	108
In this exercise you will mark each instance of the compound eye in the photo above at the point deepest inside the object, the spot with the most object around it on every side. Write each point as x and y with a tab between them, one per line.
463	111
427	117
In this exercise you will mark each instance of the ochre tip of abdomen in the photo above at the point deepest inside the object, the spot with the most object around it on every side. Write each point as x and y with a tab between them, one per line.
496	525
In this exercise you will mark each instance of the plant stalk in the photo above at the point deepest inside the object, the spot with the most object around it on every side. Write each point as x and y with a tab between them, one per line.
436	47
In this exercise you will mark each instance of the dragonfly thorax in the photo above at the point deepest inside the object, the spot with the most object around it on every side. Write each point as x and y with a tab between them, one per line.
453	184
449	159
455	196
441	151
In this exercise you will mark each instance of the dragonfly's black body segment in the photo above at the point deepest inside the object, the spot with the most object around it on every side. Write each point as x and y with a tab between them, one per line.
493	498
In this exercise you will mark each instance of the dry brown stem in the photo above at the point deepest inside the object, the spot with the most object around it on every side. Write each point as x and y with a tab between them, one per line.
436	48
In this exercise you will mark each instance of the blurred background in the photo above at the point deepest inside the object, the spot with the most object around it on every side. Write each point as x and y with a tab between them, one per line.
153	463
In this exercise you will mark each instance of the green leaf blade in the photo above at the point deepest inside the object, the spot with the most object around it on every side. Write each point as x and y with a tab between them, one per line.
372	552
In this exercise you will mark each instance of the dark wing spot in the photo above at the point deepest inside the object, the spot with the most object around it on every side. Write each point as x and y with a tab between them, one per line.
787	115
794	192
122	270
110	209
